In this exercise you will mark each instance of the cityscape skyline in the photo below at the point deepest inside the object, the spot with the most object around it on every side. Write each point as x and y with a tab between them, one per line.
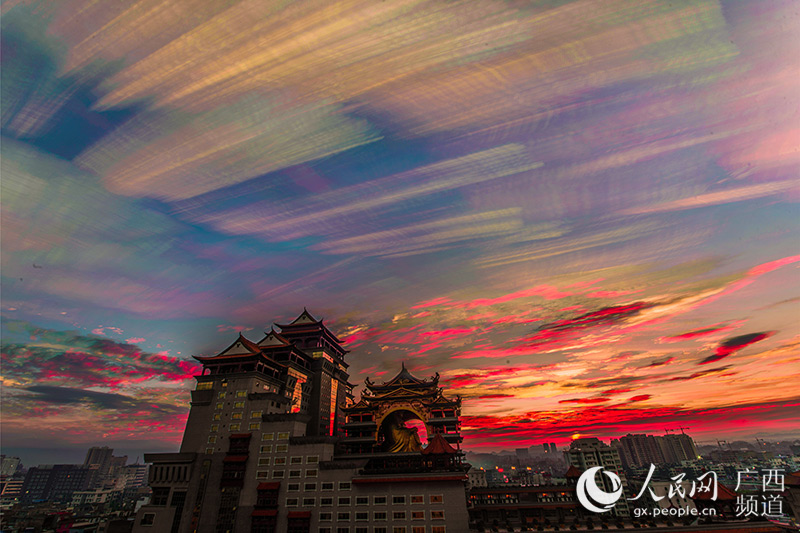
582	215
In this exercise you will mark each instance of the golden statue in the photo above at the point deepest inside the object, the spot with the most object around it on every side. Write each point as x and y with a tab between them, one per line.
401	438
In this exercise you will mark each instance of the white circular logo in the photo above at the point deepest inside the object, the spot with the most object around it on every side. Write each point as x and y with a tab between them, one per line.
593	497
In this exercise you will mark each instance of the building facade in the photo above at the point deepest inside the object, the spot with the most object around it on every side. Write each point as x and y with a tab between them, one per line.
590	452
275	443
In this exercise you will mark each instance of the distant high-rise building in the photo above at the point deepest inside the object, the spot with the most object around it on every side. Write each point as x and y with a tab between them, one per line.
100	458
590	452
9	465
522	454
643	450
678	447
54	483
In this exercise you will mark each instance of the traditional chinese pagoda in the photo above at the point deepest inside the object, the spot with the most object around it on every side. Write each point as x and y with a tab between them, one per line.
377	423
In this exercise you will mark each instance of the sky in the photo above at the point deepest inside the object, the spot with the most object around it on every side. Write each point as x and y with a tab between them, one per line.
583	215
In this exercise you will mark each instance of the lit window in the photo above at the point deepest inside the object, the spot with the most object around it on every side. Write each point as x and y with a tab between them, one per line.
212	439
417	515
437	515
311	473
296	460
214	427
312	459
236	416
281	448
221	395
398	529
255	425
437	498
438	529
255	414
417	529
283	436
241	394
267	436
238	405
264	461
280	460
236	427
209	450
262	474
206	385
217	416
418	499
220	405
267	448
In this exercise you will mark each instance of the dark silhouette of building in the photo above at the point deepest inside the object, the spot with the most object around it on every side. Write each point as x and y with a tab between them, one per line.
274	442
54	483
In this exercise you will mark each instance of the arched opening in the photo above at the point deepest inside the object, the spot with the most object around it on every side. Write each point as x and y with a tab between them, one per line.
402	431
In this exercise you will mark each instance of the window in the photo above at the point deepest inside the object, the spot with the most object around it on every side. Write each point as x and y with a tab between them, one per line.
280	460
283	435
255	425
344	485
267	436
380	515
236	427
343	529
220	405
241	394
295	473
263	461
324	530
261	474
220	395
325	517
312	459
379	500
399	529
398	500
438	529
217	416
437	515
236	416
255	414
292	502
362	500
327	485
277	474
399	515
281	448
379	530
417	529
266	448
362	516
212	439
206	385
296	460
160	496
326	502
309	502
148	519
362	530
311	473
418	499
214	428
342	516
310	487
436	498
417	515
344	500
293	487
209	450
238	405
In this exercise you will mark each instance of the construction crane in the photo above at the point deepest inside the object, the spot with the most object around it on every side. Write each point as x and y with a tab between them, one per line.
682	428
